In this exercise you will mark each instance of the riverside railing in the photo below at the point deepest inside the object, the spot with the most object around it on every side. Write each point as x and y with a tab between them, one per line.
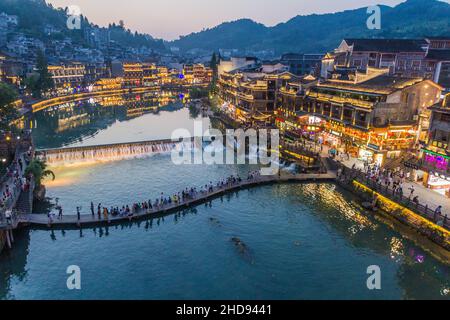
398	197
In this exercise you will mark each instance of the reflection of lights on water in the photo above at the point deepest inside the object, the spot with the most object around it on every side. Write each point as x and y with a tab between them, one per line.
420	258
333	197
396	248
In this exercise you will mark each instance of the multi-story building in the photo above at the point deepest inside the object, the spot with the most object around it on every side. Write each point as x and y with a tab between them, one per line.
67	76
133	74
107	84
438	59
289	118
145	74
372	116
436	155
428	58
11	69
197	74
150	75
301	64
164	75
94	72
234	63
250	94
2	67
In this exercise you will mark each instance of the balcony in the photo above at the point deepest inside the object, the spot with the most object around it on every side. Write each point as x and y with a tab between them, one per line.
243	96
340	100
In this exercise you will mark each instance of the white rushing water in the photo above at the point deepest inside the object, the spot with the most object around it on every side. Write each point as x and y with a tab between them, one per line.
112	153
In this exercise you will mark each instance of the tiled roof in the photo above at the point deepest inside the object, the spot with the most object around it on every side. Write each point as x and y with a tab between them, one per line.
439	54
380	85
386	45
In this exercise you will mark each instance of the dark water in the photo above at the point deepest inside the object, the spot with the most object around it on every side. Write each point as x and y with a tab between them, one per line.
302	241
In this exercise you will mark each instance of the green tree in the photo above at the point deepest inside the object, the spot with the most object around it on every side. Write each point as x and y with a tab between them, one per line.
7	110
32	84
214	65
38	168
45	79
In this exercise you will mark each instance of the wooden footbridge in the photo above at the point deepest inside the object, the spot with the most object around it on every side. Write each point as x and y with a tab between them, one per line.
70	221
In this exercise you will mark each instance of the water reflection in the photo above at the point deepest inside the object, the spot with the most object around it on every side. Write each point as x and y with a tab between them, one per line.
300	246
81	122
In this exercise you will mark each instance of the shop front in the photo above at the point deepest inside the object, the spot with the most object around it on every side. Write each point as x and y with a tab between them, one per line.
437	166
439	183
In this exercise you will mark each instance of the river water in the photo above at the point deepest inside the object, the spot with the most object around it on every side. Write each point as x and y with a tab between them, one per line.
302	241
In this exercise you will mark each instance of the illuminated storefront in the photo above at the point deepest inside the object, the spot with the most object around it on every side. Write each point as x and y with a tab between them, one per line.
438	167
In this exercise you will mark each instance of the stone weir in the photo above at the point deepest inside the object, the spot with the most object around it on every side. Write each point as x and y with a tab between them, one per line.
111	152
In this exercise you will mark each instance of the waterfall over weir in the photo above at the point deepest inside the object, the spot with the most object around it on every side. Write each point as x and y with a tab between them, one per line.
111	152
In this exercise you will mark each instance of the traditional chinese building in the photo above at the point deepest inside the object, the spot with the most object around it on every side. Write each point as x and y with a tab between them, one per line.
428	58
372	115
197	74
68	76
133	74
289	118
436	155
250	94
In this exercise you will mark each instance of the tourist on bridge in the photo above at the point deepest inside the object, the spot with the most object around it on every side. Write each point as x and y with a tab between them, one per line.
78	214
105	214
50	218
92	208
60	212
99	211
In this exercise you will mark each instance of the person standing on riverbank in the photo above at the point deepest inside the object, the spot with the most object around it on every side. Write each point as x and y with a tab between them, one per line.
92	209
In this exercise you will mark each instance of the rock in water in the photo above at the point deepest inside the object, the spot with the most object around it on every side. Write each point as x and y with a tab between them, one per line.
242	249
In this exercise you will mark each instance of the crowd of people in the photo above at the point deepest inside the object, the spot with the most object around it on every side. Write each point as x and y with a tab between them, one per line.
14	181
393	180
162	202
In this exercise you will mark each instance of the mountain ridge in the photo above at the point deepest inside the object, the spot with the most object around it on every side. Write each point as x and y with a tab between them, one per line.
323	32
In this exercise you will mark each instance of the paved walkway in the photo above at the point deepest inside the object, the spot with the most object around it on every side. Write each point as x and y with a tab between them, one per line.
426	196
85	219
15	190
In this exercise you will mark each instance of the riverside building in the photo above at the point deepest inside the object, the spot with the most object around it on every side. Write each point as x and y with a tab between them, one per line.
436	155
372	115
